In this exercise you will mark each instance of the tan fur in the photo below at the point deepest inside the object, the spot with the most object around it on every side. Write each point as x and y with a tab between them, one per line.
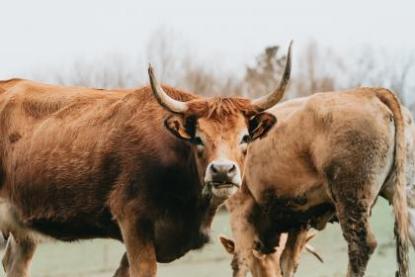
244	259
334	149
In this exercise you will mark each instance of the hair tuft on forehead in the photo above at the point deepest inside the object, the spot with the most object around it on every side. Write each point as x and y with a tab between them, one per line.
217	108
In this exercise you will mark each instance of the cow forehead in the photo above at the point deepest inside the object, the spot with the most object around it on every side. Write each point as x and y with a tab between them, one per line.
227	126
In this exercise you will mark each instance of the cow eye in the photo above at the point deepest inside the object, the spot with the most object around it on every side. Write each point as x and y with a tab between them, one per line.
197	141
245	139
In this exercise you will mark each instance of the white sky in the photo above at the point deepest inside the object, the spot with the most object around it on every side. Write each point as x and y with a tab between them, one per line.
40	33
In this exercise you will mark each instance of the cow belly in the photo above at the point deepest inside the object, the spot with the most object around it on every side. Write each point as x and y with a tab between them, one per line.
286	214
80	227
98	225
287	219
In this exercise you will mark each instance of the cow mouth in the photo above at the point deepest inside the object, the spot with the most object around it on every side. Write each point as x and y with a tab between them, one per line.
223	185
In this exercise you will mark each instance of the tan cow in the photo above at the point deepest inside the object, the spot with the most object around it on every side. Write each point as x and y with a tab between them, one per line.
79	163
265	264
330	156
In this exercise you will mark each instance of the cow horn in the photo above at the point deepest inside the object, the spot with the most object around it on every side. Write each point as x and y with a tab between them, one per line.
267	101
162	97
313	251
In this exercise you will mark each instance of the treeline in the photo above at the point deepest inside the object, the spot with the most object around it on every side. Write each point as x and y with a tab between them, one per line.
316	69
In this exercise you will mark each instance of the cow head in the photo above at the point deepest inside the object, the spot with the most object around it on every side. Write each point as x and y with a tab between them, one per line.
220	130
245	259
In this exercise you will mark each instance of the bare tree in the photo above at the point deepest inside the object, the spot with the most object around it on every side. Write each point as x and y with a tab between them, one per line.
167	54
264	75
378	68
316	69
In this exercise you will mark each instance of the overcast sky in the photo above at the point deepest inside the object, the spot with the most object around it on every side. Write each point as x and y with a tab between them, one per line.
35	34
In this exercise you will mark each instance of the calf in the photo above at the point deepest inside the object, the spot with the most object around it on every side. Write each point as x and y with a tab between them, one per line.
245	259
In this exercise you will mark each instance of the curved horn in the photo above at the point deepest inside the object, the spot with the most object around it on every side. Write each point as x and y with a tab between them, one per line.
162	97
313	251
267	101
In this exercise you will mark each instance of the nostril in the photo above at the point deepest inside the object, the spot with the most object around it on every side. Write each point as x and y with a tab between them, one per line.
232	169
213	168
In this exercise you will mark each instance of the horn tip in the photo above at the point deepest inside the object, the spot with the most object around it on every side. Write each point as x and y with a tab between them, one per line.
290	45
150	68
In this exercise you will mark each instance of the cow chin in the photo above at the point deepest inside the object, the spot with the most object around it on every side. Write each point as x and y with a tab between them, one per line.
224	192
220	192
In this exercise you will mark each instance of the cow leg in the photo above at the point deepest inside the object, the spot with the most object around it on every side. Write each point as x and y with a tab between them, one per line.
353	210
359	236
123	269
137	237
18	256
291	255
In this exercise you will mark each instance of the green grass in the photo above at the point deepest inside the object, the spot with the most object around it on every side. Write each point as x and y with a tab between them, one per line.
98	258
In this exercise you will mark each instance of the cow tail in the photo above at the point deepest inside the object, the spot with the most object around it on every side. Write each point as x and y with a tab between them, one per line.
399	201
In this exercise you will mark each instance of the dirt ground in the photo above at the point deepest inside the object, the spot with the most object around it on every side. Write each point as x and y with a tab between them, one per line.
99	258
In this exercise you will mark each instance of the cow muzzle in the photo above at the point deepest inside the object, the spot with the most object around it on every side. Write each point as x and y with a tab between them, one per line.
223	177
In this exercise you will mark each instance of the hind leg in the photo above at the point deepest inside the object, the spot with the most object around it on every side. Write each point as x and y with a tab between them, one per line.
18	256
353	205
359	236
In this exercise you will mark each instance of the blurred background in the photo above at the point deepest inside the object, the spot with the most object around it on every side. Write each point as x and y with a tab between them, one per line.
212	47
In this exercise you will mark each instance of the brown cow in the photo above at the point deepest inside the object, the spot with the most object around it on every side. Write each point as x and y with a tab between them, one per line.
81	163
329	158
244	258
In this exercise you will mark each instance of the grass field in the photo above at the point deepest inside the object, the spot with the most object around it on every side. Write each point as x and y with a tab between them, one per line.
99	258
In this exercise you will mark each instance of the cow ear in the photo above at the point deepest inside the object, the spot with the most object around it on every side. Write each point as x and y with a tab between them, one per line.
180	126
260	124
228	244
